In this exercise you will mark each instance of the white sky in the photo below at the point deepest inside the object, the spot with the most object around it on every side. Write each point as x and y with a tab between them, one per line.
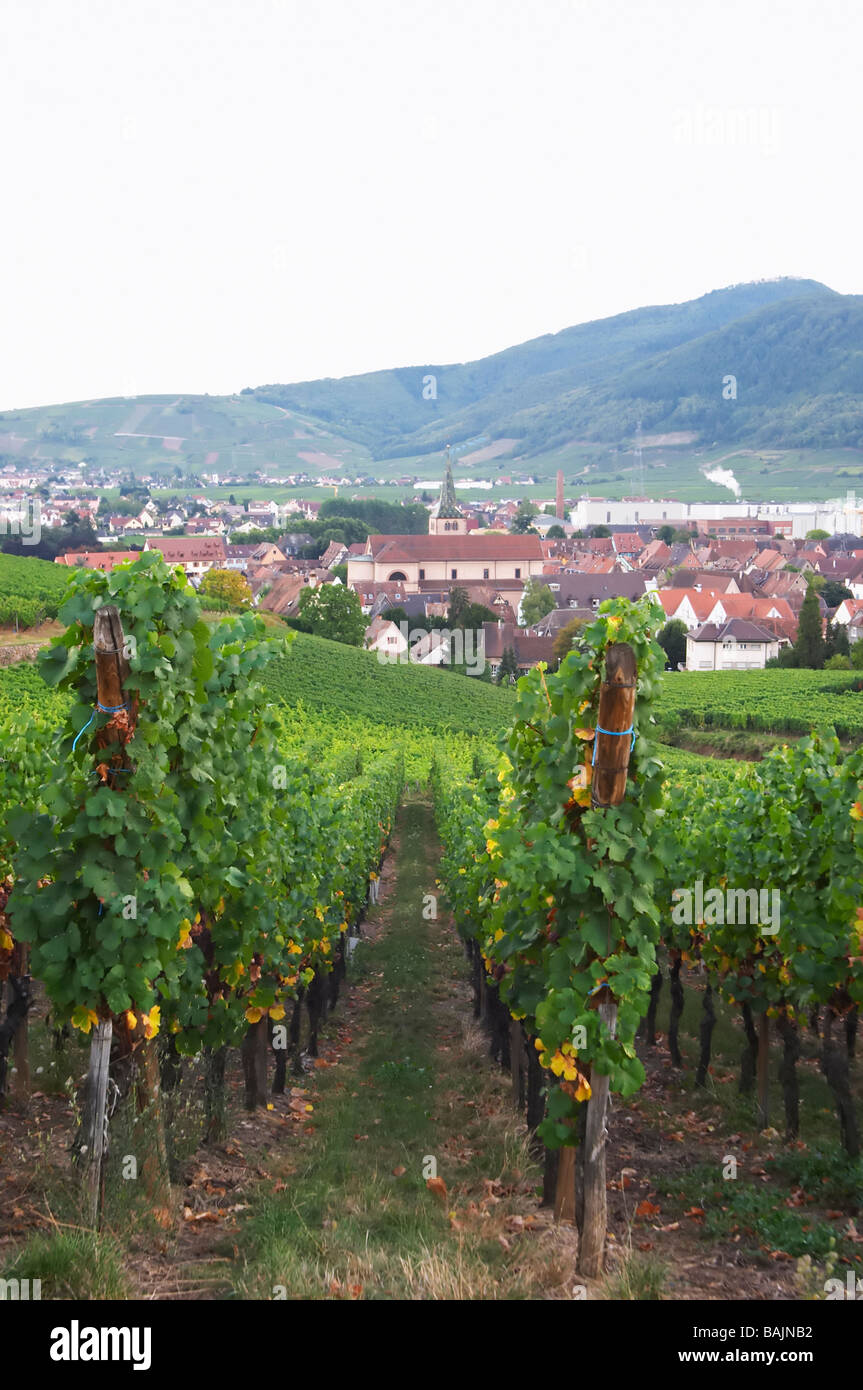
201	195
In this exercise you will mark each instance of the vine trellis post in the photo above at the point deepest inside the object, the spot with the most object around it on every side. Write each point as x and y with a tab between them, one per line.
112	672
612	751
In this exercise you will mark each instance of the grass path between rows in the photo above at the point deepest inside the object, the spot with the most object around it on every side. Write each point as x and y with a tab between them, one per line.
404	1089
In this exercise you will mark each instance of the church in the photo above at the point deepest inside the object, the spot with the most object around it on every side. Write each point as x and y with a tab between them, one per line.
449	554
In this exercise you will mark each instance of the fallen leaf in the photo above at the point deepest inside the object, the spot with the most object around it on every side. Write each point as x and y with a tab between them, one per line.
435	1185
647	1208
400	1171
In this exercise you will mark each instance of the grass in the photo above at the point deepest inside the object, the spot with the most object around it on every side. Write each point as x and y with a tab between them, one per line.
637	1278
72	1265
402	1104
795	1199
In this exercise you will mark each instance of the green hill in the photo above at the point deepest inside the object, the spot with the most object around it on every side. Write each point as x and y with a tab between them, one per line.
171	435
594	380
29	577
346	682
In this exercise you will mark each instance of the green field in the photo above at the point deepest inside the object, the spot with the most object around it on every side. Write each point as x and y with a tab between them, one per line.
775	701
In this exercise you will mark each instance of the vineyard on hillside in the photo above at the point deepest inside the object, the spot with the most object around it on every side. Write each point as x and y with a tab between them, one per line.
31	590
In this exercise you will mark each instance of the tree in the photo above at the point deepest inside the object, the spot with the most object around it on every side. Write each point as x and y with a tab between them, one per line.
333	611
225	587
598	532
555	533
817	535
809	647
665	533
837	662
836	641
567	638
857	655
395	615
459	602
672	639
524	516
833	592
464	614
507	671
537	600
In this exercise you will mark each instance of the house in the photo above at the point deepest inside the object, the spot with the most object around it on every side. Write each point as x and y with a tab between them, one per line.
690	606
283	595
268	554
382	636
432	650
239	556
736	645
528	646
589	591
195	555
657	553
335	554
850	611
104	560
373	596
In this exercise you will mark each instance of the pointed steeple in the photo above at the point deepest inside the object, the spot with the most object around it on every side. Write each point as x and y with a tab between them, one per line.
447	505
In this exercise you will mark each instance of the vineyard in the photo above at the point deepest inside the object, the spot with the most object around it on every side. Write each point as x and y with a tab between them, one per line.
201	842
31	590
775	701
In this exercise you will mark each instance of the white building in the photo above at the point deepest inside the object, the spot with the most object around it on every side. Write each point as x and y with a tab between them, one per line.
737	645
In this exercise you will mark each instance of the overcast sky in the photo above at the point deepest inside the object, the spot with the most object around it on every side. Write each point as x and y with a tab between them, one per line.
202	195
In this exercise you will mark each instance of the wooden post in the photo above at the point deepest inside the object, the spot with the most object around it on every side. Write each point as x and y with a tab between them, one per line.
95	1119
254	1051
112	671
764	1071
22	1033
608	788
564	1196
518	1065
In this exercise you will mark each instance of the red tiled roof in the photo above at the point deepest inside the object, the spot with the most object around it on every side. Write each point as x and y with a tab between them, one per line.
179	550
473	547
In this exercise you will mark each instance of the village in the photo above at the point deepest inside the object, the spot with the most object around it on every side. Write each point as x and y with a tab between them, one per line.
734	575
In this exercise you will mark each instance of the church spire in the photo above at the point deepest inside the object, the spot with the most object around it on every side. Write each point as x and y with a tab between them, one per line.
448	506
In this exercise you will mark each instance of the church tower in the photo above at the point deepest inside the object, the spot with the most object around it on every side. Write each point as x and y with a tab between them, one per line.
446	518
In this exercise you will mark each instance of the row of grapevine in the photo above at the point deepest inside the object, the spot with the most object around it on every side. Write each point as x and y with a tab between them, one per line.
175	869
556	889
789	830
563	905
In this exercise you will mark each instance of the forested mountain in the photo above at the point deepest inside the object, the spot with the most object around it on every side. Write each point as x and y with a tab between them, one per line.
794	348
